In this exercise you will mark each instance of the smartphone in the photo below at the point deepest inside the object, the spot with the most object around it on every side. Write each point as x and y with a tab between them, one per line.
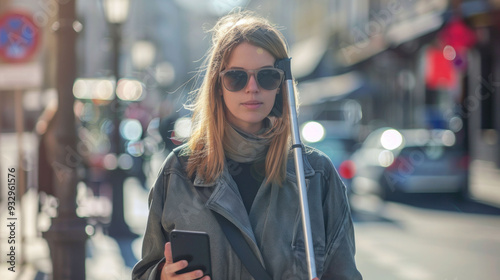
194	247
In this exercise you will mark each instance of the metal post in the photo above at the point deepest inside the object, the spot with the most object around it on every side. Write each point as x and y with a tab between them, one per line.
118	228
299	166
21	170
66	236
495	78
18	101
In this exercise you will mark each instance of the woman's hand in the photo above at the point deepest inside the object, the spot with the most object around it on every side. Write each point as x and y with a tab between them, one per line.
169	268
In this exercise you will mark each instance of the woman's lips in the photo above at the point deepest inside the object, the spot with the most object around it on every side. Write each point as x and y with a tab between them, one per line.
252	104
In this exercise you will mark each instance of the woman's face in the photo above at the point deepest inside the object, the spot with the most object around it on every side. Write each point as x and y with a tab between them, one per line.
248	107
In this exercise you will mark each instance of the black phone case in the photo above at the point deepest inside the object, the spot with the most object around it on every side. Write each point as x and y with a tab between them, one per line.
194	247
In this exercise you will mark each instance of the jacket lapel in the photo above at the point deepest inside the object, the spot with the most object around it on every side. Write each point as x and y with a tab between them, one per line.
226	201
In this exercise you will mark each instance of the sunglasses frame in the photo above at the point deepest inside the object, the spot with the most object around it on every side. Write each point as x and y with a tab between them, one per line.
253	72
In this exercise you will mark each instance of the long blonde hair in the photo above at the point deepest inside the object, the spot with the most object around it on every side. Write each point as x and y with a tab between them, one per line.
205	146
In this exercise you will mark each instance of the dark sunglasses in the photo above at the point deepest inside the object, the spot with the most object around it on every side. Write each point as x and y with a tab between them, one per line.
237	79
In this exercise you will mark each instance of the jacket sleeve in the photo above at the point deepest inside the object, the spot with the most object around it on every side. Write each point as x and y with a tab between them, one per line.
339	255
155	236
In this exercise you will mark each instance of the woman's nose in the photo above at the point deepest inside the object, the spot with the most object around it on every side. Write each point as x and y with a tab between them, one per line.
252	85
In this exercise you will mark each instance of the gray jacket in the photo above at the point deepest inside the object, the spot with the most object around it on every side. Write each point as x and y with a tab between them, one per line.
273	228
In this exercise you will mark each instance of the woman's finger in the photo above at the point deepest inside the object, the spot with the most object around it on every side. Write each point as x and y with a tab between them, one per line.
172	268
192	275
168	253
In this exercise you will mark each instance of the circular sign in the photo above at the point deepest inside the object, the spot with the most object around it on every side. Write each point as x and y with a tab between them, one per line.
18	37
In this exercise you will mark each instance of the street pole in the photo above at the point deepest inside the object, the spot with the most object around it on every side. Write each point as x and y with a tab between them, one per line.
66	236
118	228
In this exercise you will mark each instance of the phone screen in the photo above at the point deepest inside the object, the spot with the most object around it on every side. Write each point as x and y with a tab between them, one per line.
194	247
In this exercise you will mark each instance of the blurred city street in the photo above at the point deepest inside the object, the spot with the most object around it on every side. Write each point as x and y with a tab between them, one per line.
401	95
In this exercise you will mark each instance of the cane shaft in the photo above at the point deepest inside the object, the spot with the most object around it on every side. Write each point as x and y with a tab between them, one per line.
299	168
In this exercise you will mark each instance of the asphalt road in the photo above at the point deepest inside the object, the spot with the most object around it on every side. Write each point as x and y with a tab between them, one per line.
428	237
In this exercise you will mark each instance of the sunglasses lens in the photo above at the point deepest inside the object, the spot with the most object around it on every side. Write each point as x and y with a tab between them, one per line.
269	79
235	80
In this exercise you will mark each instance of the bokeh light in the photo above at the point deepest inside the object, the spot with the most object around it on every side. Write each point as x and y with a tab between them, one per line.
125	161
110	162
313	132
135	148
449	53
385	158
391	139
131	129
130	90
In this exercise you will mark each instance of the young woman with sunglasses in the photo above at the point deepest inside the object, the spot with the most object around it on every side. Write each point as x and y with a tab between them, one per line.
238	164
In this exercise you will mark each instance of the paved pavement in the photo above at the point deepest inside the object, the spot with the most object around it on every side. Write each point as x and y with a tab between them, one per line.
429	237
485	182
104	257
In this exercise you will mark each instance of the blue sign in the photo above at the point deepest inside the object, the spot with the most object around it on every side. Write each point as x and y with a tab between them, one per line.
19	37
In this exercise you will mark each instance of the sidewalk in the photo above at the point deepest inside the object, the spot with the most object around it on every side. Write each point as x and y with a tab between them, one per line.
485	182
105	259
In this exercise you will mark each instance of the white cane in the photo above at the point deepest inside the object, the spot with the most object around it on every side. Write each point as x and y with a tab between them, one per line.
284	64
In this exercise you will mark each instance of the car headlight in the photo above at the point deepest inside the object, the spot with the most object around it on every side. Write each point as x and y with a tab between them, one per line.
313	132
391	139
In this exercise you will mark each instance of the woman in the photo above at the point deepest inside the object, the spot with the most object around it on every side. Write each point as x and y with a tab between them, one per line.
238	164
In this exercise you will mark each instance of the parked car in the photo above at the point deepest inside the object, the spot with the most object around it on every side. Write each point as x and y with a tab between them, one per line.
332	126
394	161
337	147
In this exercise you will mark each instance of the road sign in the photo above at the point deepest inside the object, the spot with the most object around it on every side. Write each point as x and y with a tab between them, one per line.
21	76
19	37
